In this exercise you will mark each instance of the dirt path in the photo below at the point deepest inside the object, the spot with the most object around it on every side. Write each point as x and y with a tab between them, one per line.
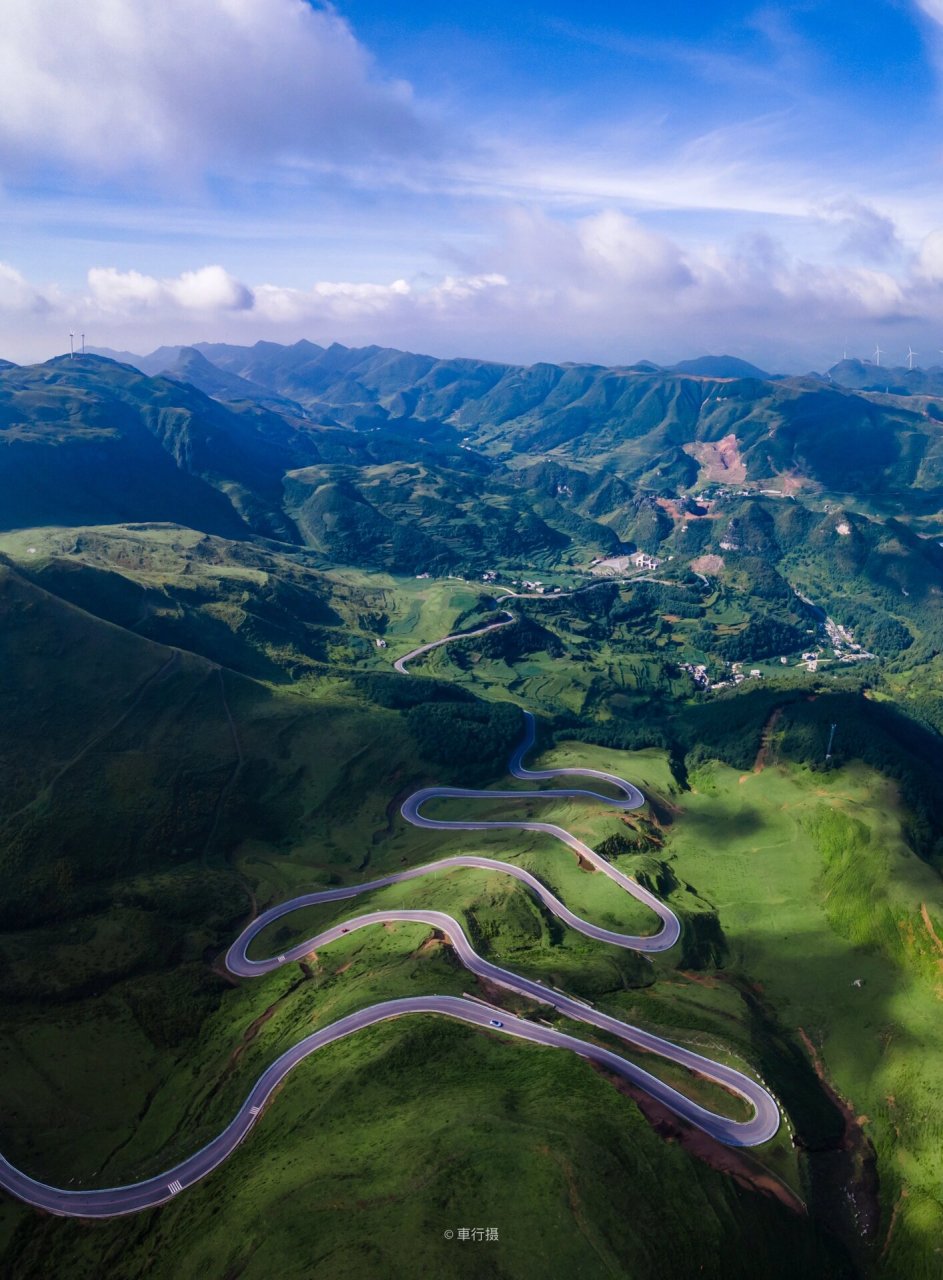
766	740
227	789
930	929
154	678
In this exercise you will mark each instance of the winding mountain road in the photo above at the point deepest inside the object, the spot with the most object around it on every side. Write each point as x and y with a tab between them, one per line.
400	663
763	1124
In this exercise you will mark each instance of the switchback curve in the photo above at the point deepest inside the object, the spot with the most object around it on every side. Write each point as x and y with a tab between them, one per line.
148	1193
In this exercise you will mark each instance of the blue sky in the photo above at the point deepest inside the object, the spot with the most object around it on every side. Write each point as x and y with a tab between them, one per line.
609	182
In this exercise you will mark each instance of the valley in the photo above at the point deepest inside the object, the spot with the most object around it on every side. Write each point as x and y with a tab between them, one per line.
247	617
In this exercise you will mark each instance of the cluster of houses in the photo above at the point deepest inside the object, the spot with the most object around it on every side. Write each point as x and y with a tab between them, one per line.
698	673
642	560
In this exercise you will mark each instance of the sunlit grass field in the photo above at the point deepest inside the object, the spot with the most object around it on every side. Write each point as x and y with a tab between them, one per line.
124	1048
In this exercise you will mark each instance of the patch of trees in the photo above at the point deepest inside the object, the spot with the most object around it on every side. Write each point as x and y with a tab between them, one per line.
170	1008
876	630
510	644
615	735
768	585
761	638
650	598
651	525
657	877
703	943
615	846
399	694
465	733
729	727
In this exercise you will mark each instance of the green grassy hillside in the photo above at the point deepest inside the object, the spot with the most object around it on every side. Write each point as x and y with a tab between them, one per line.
200	719
764	857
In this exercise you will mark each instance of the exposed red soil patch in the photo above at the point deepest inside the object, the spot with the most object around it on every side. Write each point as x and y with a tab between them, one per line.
699	978
864	1186
743	1168
709	564
680	514
720	459
893	1222
930	929
250	1033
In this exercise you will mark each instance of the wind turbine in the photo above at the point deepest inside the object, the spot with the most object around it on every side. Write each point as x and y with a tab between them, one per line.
877	356
910	356
71	344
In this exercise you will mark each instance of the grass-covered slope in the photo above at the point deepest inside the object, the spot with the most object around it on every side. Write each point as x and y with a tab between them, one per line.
806	878
262	611
91	441
198	720
418	517
181	795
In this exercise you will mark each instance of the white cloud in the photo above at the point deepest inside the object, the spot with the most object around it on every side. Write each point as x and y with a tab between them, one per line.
601	287
18	296
932	8
341	302
116	88
930	258
210	290
327	300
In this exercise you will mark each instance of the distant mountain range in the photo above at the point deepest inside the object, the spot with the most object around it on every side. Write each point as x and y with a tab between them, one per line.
387	459
296	372
863	375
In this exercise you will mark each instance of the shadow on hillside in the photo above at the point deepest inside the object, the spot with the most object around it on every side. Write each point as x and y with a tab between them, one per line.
813	999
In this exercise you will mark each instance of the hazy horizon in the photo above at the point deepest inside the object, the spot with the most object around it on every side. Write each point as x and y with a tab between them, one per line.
445	353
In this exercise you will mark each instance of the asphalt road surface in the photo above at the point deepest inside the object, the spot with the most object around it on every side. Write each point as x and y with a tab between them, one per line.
763	1124
400	663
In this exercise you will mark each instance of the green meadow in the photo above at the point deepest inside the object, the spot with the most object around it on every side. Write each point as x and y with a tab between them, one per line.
811	957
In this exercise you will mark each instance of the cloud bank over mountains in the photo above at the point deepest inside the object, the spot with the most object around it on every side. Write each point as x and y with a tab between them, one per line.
234	169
